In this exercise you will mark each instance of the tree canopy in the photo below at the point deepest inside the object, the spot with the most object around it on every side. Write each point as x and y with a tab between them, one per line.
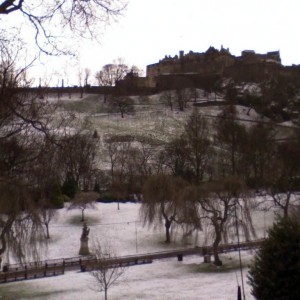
275	272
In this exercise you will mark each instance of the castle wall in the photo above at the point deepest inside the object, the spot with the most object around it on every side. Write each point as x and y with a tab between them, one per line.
182	81
210	63
255	72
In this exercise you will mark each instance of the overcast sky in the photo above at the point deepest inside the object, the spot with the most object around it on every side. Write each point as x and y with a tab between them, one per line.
151	29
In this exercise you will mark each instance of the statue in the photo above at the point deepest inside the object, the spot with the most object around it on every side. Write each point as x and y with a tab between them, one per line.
85	231
84	247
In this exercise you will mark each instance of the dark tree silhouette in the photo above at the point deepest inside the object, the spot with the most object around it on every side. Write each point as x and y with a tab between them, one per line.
282	181
81	18
111	73
25	122
229	137
122	104
275	272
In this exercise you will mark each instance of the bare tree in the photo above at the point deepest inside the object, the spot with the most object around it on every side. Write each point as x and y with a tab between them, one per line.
130	165
167	98
121	103
84	200
46	172
106	272
119	153
78	157
139	166
199	148
87	74
190	155
175	157
136	71
80	81
218	202
182	96
112	149
50	197
194	93
282	180
258	153
229	138
47	213
111	73
81	18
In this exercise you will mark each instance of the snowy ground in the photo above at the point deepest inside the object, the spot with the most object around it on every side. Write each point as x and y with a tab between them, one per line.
163	279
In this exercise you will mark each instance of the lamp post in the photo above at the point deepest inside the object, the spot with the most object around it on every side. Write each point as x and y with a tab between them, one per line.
240	258
264	223
136	240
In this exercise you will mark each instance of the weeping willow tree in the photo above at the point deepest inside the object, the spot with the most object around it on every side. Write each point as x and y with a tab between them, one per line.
20	225
164	202
218	203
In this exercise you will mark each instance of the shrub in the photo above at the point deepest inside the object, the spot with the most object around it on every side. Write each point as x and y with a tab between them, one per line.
275	272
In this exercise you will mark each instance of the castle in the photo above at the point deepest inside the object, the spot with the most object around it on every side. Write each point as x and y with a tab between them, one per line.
210	62
202	69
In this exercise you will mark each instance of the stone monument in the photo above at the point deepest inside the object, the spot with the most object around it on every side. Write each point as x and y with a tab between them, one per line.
84	247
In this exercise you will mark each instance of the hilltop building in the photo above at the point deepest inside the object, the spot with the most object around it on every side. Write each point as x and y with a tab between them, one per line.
202	70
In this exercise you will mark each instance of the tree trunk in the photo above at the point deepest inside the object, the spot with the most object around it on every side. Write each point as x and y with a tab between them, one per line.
232	160
286	206
82	215
105	293
286	211
168	236
216	243
47	231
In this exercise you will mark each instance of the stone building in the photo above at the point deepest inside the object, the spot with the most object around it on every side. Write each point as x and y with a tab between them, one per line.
210	62
202	70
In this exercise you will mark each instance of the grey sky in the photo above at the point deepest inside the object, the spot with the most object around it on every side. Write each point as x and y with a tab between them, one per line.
151	29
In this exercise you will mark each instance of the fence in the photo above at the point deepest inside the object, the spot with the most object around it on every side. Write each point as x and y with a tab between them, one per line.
56	267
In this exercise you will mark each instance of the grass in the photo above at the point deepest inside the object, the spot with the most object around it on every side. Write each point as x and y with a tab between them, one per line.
85	106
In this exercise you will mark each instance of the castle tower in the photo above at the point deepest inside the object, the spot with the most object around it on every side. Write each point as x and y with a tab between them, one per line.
181	54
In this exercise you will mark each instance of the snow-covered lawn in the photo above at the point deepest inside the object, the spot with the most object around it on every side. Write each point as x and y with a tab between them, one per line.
163	279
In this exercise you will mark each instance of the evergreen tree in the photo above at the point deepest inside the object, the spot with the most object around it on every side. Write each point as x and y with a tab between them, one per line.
70	188
275	272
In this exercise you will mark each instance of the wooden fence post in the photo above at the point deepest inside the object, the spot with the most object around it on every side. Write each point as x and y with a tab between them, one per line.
45	272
